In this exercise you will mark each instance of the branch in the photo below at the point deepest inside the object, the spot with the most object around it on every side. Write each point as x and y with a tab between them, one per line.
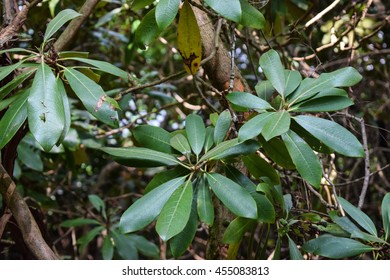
318	16
71	30
26	222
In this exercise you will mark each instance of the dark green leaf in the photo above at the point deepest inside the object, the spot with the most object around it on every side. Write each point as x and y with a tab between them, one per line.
236	230
264	90
125	246
79	222
107	248
332	135
182	241
253	127
231	11
92	96
295	254
6	70
148	30
140	157
67	115
165	176
233	196
209	142
304	158
222	126
274	70
344	222
139	4
5	90
56	23
386	215
251	16
204	204
153	137
110	16
367	237
330	92
276	150
293	79
84	240
146	209
176	212
231	148
359	216
46	116
166	11
29	157
98	204
324	104
335	247
277	124
13	119
180	143
196	132
248	101
259	168
144	246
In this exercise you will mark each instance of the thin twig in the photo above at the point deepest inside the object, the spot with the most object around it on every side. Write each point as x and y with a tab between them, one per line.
232	58
319	15
317	194
211	106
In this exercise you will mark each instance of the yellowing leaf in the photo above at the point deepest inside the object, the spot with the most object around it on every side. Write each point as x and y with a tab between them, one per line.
188	39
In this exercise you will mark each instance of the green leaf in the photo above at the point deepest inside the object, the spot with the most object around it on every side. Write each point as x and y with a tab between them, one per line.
148	29
251	16
142	212
176	212
125	246
166	11
232	11
277	124
98	204
344	77
29	157
222	126
335	247
180	143
276	150
332	135
139	4
110	16
344	222
140	157
46	116
58	21
13	119
165	176
209	141
230	149
144	246
295	254
6	70
254	126
67	115
304	158
367	237
236	230
293	79
233	196
5	90
104	67
72	54
329	92
79	222
86	239
180	242
92	96
16	50
153	137
324	104
196	132
274	70
359	216
264	90
265	209
259	168
107	248
248	101
204	203
386	215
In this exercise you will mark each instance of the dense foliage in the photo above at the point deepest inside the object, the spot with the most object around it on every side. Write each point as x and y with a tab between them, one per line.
271	144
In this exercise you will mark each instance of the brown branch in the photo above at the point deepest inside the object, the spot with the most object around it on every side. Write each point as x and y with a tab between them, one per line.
71	30
26	222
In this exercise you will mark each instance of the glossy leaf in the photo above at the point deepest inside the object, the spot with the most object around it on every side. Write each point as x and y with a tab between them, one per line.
140	157
274	70
29	157
233	196
107	248
92	96
329	92
236	230
180	143
248	100
166	11
6	70
264	90
232	11
176	212
324	104
332	135
165	176
148	29
231	148
180	242
125	246
10	86
386	215
13	119
359	216
295	254
144	246
196	132
304	158
293	79
222	126
67	115
142	212
153	137
209	141
189	42
254	126
46	116
58	21
335	247
344	222
204	204
276	150
259	168
277	124
251	16
79	222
